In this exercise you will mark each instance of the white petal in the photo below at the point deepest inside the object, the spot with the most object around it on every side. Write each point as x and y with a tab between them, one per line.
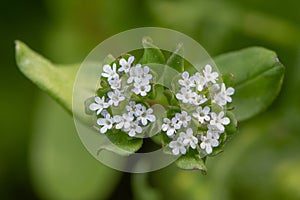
131	59
230	91
175	151
122	62
182	150
94	106
170	132
214	143
225	121
208	149
107	68
208	68
185	75
103	129
202	145
151	118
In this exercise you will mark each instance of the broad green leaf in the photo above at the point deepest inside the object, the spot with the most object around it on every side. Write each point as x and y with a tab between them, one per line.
61	167
258	78
56	80
175	60
191	160
257	72
124	142
152	54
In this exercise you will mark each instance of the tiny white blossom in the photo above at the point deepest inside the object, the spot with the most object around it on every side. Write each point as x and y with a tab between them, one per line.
200	81
99	105
138	109
177	146
115	97
141	88
219	120
214	131
139	74
208	142
123	121
202	114
133	129
106	123
186	81
170	126
223	96
110	72
131	108
186	95
209	75
183	118
188	138
146	116
125	65
133	73
115	83
144	74
198	100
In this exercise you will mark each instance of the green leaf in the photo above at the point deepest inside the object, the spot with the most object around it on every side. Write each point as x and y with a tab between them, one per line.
56	80
190	161
124	142
61	167
152	54
258	78
175	60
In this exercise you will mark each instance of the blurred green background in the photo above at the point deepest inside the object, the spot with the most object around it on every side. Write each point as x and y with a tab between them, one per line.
41	156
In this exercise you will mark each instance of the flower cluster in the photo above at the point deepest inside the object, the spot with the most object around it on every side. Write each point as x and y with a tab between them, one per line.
123	80
199	91
198	125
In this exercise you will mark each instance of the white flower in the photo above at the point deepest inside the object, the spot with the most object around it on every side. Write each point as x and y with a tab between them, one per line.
208	142
170	126
131	108
106	123
99	105
144	74
214	131
110	72
133	129
186	81
141	88
133	73
177	146
125	65
146	115
198	100
123	121
139	74
115	83
199	81
186	95
209	75
223	96
138	110
115	97
188	138
183	118
202	114
219	120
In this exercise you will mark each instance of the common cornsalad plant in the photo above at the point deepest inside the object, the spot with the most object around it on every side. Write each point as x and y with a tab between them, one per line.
202	107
